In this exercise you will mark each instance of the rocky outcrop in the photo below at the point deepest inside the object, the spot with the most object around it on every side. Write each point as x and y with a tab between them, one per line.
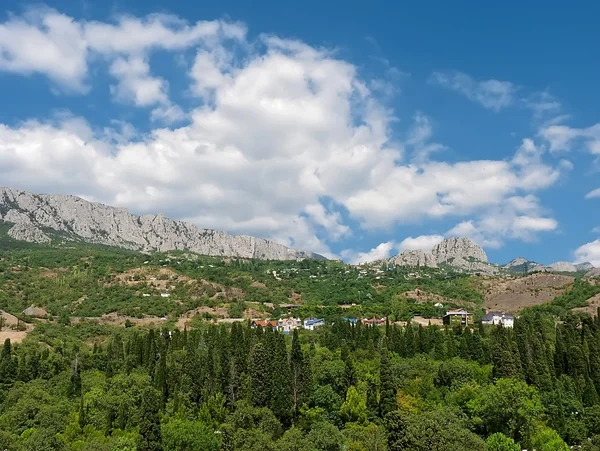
585	266
458	248
459	253
37	218
562	267
518	263
414	258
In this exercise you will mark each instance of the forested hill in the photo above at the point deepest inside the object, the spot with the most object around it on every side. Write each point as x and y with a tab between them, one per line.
168	378
87	281
83	281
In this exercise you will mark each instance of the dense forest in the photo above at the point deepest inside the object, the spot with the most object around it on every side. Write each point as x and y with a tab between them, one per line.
343	387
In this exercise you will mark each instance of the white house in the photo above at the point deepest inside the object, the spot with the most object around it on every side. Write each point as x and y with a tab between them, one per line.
497	318
313	323
164	295
287	325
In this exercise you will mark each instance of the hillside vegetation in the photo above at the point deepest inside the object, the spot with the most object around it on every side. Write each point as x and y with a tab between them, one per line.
84	280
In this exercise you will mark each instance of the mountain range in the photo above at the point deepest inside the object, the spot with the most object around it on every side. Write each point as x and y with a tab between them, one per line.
44	218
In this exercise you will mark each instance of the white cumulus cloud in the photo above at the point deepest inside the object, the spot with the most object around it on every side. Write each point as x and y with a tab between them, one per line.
594	194
589	252
380	252
422	242
290	143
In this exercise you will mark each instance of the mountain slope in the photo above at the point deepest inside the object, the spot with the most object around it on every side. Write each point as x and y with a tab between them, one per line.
40	217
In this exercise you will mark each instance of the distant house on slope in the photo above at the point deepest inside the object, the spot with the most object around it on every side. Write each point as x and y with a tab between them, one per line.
287	325
497	318
458	317
313	323
255	324
35	312
374	322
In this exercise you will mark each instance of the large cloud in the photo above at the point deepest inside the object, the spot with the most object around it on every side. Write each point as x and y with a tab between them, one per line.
288	143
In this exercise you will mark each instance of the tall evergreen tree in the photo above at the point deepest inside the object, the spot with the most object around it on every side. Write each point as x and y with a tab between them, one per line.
300	375
75	380
150	436
281	380
387	394
260	383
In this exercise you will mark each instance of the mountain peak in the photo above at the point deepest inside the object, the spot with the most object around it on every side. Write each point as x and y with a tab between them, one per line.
461	253
37	217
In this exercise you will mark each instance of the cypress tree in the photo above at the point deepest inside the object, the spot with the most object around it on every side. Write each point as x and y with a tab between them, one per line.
150	437
387	396
409	341
75	380
82	420
281	385
160	378
300	374
260	383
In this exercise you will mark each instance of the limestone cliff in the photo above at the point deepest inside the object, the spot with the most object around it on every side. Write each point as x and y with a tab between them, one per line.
40	217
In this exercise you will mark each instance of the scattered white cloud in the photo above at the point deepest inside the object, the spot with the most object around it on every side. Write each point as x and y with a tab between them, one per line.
419	139
382	251
136	84
491	94
594	194
543	104
589	252
517	217
132	35
44	41
422	242
564	138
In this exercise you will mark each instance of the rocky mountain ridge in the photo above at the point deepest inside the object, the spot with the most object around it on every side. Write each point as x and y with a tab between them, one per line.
40	217
459	253
464	255
523	265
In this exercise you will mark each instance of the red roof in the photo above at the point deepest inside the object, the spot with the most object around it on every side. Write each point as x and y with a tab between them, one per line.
262	323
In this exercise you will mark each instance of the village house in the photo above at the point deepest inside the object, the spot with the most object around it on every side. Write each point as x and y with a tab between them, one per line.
256	323
374	322
497	318
312	323
287	325
458	317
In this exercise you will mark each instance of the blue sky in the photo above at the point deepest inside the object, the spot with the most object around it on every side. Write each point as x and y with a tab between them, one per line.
353	129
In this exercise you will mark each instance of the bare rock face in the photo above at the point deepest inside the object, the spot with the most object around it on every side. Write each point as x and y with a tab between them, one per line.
458	248
36	217
459	253
414	258
586	266
562	267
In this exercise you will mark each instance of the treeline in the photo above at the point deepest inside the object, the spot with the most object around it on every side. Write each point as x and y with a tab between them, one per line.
342	388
